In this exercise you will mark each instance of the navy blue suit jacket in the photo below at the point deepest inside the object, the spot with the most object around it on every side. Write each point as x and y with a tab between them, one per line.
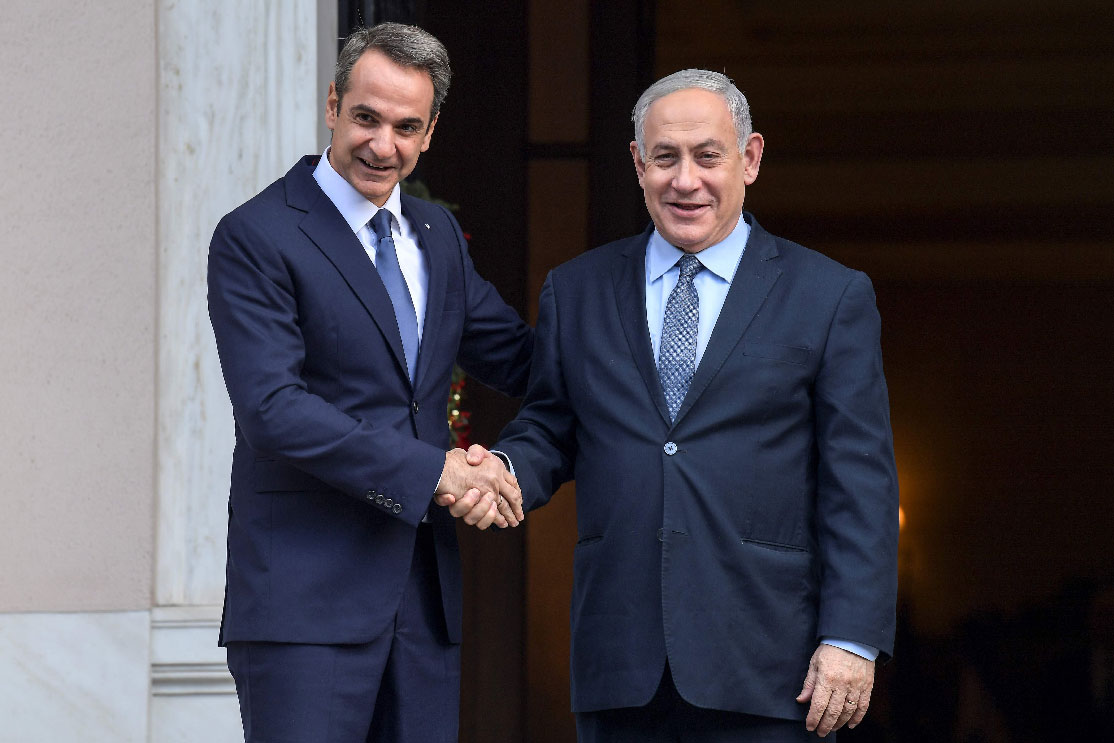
763	518
337	453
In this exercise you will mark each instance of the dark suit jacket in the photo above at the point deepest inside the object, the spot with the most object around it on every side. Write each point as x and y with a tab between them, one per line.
764	518
337	454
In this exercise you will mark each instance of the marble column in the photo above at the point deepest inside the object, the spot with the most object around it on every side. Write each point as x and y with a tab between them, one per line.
240	100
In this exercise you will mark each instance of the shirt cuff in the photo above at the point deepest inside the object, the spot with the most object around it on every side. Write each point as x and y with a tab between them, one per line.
863	651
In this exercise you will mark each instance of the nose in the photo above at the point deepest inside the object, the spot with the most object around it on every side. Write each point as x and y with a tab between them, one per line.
685	178
382	143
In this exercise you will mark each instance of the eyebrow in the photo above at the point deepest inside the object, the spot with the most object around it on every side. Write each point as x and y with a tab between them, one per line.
364	108
670	145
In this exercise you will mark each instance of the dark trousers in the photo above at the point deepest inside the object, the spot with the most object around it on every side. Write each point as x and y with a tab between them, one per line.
403	687
668	718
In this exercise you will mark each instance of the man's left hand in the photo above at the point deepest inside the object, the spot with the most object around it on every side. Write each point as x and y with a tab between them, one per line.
838	683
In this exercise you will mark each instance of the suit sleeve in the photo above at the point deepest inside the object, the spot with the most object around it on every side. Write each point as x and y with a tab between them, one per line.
254	313
496	345
857	493
541	440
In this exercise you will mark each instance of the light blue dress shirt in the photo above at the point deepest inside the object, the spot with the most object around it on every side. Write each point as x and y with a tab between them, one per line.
720	261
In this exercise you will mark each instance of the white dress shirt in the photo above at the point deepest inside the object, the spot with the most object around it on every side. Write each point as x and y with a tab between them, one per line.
358	211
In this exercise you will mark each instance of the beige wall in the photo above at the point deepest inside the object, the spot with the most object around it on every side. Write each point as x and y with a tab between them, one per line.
78	304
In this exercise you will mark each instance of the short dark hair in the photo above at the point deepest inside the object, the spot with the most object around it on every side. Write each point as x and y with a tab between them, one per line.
408	46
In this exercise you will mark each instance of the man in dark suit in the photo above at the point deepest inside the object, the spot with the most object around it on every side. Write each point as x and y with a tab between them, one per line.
717	394
339	307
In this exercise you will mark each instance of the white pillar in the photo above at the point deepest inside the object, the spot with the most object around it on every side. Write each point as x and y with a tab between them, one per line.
240	101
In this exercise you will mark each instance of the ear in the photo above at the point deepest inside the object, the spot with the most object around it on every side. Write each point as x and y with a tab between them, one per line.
639	165
331	105
752	157
429	133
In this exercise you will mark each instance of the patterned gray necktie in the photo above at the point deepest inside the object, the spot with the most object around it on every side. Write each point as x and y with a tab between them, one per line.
386	263
677	352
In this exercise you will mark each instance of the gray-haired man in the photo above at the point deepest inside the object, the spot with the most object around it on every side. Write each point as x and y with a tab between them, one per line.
717	394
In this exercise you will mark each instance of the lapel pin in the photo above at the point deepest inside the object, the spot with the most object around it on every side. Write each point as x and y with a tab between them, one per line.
426	225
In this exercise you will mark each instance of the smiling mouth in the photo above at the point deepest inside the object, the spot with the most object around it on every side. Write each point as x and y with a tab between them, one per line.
376	168
687	207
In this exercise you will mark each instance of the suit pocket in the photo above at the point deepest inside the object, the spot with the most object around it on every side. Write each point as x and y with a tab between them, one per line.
272	476
798	355
774	546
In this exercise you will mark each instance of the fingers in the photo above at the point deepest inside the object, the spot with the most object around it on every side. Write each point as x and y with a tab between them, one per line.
478	511
507	511
860	709
484	513
513	495
839	685
835	711
477	454
819	716
491	494
809	684
466	503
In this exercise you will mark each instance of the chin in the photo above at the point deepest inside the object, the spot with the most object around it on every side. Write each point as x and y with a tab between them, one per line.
685	240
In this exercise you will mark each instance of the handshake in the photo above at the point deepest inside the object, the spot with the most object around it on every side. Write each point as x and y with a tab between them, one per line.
476	487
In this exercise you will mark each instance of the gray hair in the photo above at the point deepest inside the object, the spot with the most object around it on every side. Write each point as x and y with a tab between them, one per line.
408	46
716	82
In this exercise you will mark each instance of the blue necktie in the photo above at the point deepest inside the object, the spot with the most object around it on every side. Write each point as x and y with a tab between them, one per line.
386	263
677	352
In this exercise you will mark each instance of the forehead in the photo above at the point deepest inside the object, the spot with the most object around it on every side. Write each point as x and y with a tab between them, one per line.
688	115
378	81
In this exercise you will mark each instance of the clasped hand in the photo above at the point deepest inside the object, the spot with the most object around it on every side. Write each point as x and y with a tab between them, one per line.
476	487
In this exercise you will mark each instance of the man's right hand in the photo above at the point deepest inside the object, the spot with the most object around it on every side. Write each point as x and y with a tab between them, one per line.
477	488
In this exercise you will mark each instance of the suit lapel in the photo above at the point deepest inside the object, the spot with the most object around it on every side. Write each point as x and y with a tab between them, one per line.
756	275
332	236
629	275
434	253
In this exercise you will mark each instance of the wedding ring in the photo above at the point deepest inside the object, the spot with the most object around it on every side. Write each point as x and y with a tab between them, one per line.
851	704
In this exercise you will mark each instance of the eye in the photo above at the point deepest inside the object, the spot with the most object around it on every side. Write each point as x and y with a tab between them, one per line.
664	159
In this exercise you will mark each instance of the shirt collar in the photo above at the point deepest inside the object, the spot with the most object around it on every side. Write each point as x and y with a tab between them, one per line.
721	259
352	205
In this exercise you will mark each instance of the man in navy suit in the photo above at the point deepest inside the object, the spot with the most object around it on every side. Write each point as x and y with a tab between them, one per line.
717	394
339	307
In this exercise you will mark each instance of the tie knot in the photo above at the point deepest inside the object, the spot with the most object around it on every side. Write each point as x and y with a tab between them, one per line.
690	266
381	224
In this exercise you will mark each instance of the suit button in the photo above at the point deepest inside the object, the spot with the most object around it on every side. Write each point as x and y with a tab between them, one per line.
414	407
371	495
670	448
661	534
388	503
379	500
397	508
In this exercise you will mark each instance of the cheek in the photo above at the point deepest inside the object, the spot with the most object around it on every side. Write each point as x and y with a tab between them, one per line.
655	184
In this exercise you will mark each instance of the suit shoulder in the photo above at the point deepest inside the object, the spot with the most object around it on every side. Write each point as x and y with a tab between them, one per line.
261	208
424	208
595	261
813	264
